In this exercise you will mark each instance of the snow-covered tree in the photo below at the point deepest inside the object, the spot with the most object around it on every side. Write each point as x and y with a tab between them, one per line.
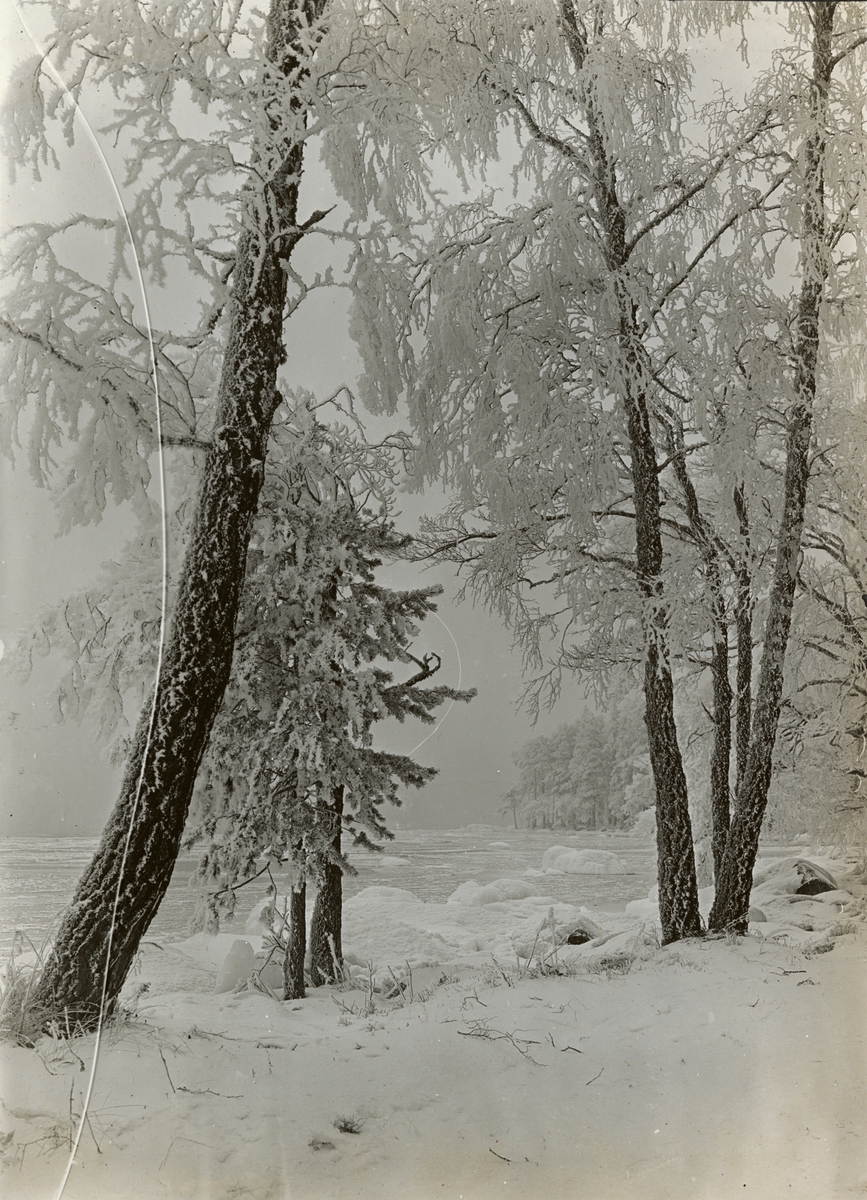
212	202
590	773
291	767
822	112
620	328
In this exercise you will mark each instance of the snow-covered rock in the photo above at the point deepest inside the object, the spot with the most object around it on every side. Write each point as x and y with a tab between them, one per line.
794	875
237	966
648	909
472	893
565	860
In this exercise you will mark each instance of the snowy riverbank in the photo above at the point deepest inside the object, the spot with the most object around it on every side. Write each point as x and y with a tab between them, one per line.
700	1071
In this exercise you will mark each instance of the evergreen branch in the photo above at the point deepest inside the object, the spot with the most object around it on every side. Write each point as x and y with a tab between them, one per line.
191	443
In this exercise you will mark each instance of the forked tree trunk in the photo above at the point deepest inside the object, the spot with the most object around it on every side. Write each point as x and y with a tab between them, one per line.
326	924
678	889
120	892
731	905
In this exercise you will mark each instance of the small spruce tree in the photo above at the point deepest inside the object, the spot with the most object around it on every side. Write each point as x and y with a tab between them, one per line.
291	768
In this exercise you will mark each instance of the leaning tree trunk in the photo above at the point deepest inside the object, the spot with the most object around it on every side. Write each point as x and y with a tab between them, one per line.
121	890
731	905
326	924
678	889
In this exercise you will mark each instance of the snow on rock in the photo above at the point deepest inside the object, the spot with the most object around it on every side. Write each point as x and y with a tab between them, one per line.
237	966
472	893
561	926
648	909
499	846
565	860
484	921
775	902
794	875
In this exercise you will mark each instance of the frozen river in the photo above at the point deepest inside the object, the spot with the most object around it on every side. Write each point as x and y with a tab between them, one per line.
38	875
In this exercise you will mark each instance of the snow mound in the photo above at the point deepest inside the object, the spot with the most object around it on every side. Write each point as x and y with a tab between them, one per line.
499	846
563	925
563	860
475	894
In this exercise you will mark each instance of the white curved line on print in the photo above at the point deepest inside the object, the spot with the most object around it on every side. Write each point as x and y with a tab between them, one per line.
49	67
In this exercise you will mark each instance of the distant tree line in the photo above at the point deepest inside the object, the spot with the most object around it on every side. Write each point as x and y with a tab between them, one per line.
593	773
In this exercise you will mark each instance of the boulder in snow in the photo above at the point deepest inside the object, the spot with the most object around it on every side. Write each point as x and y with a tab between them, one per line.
237	966
565	860
473	894
795	877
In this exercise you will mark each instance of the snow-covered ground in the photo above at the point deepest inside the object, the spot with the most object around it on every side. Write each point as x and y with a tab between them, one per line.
476	1053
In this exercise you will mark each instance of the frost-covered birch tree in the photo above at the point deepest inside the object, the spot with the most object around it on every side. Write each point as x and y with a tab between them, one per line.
545	321
610	348
212	203
822	112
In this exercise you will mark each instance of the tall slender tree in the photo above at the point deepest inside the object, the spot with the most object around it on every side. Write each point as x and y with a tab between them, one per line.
831	44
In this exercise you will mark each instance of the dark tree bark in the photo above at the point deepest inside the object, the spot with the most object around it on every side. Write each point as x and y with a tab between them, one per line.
678	889
121	890
731	905
744	638
293	963
720	762
326	924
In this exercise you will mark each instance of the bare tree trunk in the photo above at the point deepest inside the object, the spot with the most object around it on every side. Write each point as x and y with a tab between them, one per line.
720	762
120	892
744	636
293	963
326	924
731	905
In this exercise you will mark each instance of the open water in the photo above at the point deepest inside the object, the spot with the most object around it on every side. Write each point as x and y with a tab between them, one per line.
38	874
